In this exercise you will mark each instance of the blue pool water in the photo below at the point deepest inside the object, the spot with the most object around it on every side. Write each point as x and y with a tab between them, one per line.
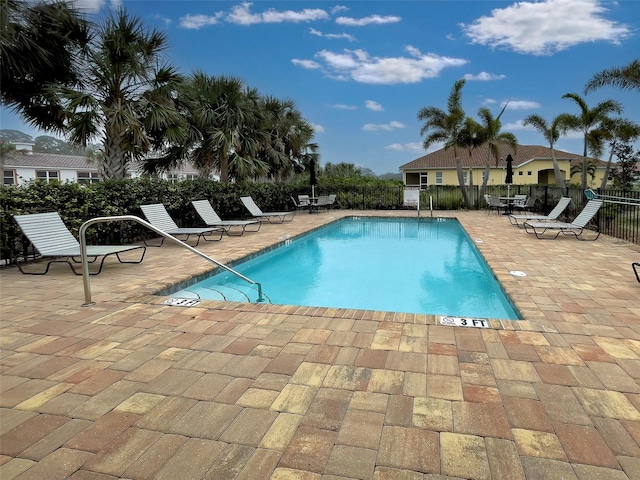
389	264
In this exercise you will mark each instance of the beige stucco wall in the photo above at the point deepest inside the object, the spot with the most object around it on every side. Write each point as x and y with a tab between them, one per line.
533	172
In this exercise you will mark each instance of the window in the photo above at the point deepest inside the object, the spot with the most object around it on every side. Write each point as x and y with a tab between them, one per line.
529	173
519	173
88	177
424	180
191	176
173	177
438	178
464	177
9	177
47	175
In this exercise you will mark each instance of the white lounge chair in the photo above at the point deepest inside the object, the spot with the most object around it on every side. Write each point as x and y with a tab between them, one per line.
575	228
519	219
52	239
212	219
255	211
157	215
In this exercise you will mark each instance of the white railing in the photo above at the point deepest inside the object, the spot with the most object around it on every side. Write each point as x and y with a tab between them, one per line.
85	262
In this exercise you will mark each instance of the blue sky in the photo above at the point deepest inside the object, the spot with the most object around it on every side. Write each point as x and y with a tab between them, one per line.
359	71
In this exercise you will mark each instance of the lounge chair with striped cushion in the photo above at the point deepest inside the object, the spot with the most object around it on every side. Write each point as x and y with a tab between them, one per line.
256	212
231	227
157	215
561	206
575	228
52	239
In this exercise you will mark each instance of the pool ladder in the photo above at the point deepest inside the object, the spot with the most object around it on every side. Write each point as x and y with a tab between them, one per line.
85	262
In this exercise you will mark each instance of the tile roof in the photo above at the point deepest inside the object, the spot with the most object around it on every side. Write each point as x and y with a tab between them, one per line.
73	162
445	158
48	160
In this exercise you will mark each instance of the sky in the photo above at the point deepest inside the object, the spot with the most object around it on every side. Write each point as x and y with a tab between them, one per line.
359	71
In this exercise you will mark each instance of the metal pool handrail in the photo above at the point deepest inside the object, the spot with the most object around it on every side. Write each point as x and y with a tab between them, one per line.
85	262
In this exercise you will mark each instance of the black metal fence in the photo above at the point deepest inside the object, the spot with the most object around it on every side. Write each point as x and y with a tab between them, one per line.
619	217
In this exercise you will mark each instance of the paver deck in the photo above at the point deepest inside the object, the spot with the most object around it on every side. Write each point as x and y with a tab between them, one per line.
131	388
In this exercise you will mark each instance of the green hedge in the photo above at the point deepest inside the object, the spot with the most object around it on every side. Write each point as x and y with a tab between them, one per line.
78	203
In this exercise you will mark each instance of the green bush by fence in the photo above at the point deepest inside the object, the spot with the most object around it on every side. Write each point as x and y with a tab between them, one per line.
78	203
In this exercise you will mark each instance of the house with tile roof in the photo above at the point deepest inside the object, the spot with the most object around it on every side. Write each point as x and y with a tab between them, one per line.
24	165
532	164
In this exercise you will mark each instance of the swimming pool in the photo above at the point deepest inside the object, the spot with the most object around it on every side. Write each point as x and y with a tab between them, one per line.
404	265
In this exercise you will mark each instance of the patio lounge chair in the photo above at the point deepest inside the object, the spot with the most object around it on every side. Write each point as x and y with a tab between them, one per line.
561	206
52	239
636	269
211	218
574	228
157	215
260	215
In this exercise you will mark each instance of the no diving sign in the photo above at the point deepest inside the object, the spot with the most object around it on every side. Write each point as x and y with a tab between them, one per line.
465	322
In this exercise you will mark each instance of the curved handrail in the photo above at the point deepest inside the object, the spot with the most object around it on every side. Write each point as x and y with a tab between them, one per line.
85	262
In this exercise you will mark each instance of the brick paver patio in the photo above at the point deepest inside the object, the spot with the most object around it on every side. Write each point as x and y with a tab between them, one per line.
131	388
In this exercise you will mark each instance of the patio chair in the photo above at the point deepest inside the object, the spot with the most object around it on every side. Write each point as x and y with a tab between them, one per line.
212	219
299	205
520	219
260	215
494	203
304	200
157	215
636	266
52	239
519	200
575	228
527	205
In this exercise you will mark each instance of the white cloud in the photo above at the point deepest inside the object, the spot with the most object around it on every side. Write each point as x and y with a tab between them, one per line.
167	21
90	5
338	9
489	101
341	106
317	128
406	147
358	66
195	22
308	64
545	27
364	21
483	76
520	105
333	36
241	15
372	127
375	106
517	125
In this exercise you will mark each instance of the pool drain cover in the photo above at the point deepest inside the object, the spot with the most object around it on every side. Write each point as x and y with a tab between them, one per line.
517	273
181	302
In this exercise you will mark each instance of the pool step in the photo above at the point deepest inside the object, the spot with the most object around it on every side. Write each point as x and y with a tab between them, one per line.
226	293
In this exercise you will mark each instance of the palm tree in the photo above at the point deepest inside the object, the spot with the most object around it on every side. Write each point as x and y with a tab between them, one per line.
286	137
616	131
588	120
124	97
223	120
490	133
446	127
551	133
625	78
40	43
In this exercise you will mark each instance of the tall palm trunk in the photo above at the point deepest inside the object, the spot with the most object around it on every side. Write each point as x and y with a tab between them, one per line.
556	169
116	156
224	166
465	198
605	178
